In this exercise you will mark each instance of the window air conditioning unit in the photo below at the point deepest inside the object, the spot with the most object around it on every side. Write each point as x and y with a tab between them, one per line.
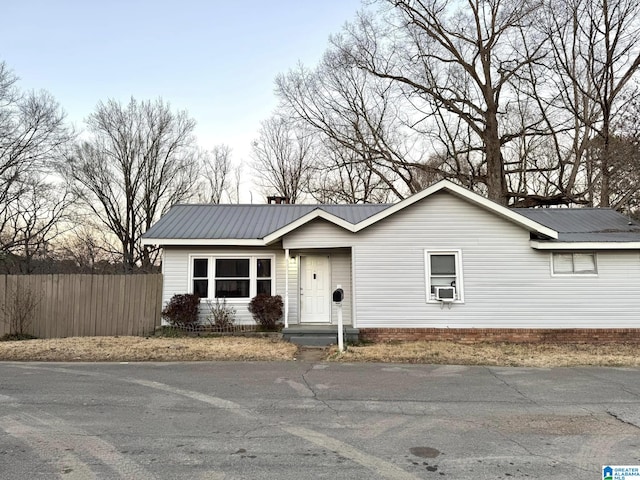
445	294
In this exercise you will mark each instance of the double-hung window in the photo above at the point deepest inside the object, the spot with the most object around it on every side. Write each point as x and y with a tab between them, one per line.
263	276
443	273
574	263
231	277
201	277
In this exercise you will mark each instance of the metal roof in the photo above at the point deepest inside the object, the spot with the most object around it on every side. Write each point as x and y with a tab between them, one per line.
245	221
585	224
254	222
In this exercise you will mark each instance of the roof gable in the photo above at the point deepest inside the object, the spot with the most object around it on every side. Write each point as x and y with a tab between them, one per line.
246	224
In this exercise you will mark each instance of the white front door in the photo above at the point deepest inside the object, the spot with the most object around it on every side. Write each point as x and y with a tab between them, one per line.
315	289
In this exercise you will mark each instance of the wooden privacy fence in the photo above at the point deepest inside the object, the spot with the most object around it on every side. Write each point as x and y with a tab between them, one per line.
84	305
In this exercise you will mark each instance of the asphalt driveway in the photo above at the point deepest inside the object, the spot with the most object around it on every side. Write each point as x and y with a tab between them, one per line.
298	420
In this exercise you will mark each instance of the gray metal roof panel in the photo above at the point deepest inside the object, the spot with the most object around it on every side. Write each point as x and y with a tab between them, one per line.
189	221
585	224
245	221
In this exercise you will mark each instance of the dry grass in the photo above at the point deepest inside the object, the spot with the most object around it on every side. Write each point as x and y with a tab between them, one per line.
138	349
499	354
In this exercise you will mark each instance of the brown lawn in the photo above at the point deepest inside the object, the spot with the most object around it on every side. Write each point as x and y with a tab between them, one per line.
164	349
497	354
140	349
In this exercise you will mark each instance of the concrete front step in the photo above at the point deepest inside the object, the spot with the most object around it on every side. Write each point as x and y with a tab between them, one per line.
318	336
313	340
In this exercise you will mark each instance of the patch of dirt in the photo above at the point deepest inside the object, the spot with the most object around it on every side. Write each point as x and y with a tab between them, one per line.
561	425
311	354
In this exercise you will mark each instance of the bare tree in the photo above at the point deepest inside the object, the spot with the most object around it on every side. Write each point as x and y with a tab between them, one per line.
87	249
18	309
358	118
282	157
341	177
32	138
596	47
453	56
33	222
234	191
139	160
624	154
521	101
217	168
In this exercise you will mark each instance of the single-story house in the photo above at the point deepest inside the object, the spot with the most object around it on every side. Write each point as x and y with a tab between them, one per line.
443	263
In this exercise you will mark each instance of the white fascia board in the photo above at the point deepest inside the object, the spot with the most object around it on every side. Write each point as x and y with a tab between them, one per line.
317	213
542	245
243	242
467	195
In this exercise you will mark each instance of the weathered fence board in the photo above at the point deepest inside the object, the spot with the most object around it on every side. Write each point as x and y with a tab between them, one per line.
84	305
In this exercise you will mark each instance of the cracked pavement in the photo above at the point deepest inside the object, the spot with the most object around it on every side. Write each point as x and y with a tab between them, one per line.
306	419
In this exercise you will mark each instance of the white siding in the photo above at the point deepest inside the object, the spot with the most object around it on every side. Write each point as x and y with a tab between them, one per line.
176	274
294	289
175	268
341	275
506	282
319	234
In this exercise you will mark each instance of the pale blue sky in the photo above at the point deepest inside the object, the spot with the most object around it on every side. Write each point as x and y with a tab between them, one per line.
217	59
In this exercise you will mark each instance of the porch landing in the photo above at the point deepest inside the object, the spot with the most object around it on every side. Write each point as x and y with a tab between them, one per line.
318	335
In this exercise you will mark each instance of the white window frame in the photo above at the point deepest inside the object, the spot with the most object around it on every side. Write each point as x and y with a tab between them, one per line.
253	274
193	278
459	274
574	273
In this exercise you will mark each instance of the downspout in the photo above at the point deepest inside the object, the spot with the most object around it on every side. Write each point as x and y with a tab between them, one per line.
286	288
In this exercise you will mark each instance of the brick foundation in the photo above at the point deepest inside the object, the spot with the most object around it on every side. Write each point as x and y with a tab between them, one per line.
515	335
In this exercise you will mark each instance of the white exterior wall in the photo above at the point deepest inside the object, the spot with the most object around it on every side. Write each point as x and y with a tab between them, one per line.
341	275
175	267
319	234
294	288
507	284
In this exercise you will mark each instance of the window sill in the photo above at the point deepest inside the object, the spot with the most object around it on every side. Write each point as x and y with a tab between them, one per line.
455	302
579	275
228	300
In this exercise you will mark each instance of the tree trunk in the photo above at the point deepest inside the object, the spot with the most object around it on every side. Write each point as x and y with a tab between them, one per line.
496	190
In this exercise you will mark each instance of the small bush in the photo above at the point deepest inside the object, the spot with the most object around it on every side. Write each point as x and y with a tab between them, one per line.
266	311
18	311
182	310
221	316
